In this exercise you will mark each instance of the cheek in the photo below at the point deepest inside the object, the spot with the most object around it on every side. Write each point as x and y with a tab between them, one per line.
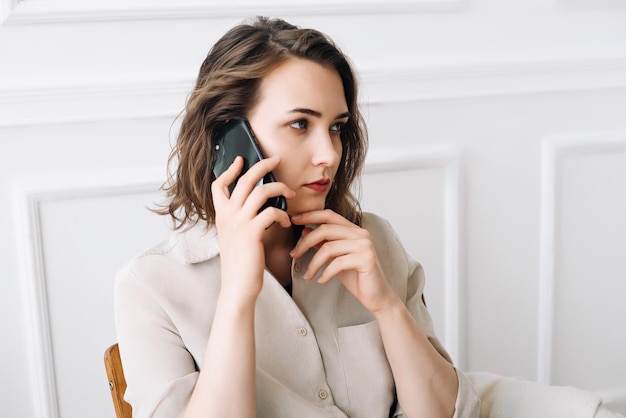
287	171
267	149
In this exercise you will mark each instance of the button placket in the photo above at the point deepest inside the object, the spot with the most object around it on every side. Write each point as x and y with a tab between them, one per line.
298	265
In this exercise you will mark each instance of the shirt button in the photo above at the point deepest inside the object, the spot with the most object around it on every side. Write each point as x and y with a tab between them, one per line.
302	332
322	394
297	267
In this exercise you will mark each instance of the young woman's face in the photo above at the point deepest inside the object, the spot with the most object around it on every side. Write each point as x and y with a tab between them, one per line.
299	116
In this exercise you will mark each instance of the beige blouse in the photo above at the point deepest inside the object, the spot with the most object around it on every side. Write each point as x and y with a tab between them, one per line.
319	352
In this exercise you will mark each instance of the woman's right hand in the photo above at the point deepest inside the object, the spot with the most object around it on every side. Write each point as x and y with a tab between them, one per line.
240	226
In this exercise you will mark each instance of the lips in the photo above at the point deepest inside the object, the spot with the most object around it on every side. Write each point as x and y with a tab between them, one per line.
319	186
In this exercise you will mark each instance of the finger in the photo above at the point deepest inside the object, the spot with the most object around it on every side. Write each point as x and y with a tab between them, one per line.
261	194
354	262
324	216
337	266
315	238
330	251
306	231
219	187
272	215
323	256
251	178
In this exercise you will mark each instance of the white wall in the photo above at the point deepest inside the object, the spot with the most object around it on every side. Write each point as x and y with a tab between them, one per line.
498	151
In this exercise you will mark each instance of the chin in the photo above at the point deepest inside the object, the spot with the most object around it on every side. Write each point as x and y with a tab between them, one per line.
299	209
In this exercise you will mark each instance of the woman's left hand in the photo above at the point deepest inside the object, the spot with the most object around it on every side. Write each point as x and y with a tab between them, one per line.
350	254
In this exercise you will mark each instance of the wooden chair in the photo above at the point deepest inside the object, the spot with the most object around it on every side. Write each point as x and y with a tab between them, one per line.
117	383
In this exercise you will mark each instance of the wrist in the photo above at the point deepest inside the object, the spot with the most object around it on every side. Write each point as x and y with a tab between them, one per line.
240	285
390	309
236	303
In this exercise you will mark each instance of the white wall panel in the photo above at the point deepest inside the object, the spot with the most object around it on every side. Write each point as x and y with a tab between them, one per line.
499	135
74	253
581	342
44	164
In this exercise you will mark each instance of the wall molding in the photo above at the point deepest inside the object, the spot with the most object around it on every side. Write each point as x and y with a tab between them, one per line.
35	303
497	78
72	11
448	158
29	201
99	100
6	8
554	150
591	4
136	98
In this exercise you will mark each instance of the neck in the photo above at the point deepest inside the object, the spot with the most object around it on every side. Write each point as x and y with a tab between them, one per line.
278	242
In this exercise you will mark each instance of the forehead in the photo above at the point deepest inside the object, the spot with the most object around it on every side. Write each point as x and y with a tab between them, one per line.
299	82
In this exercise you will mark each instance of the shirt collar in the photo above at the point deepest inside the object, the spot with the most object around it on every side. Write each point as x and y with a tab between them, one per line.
199	243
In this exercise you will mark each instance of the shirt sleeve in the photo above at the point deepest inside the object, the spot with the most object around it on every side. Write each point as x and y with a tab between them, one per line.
467	402
160	373
513	396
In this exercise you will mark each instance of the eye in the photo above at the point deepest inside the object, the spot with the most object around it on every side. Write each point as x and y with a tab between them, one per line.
299	124
337	127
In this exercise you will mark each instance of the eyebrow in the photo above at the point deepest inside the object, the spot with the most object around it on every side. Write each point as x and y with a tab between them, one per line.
317	114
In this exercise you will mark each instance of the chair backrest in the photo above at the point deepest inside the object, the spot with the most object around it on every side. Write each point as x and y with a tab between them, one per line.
117	383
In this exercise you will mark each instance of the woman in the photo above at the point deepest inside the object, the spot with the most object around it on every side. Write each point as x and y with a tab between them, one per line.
315	311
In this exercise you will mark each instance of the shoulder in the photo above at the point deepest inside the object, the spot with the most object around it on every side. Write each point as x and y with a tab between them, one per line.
397	265
382	233
194	245
176	278
175	258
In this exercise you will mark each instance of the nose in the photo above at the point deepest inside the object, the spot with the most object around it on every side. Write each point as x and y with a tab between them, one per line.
326	149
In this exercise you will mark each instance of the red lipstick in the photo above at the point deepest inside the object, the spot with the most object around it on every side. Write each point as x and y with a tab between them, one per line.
320	185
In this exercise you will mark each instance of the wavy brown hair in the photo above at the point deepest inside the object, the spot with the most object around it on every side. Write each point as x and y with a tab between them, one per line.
227	87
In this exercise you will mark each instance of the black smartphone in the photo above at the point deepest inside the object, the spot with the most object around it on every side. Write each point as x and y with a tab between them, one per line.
236	138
